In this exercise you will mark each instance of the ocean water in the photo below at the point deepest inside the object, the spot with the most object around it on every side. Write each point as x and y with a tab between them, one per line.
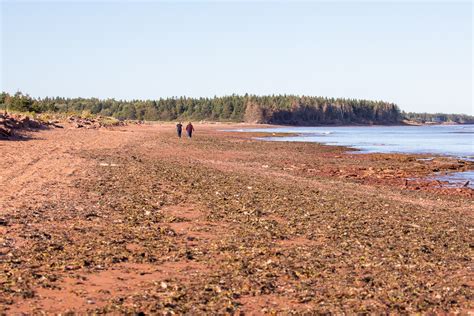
448	140
457	179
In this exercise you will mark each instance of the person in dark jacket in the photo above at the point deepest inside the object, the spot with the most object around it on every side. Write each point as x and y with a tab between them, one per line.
179	129
190	129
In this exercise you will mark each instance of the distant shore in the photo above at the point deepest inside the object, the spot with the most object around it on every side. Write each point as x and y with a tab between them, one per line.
401	123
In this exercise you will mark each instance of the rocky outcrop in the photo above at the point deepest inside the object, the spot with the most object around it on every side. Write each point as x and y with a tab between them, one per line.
11	124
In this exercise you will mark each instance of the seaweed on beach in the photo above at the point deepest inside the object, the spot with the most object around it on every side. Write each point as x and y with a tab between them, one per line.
235	226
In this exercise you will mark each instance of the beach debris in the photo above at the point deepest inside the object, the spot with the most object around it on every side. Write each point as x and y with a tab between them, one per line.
105	164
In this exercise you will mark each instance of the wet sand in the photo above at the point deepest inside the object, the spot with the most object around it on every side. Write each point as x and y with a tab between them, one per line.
132	219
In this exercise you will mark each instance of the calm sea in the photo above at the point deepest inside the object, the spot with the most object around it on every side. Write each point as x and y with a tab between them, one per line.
449	140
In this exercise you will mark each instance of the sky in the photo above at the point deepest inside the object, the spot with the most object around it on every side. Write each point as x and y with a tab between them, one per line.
417	55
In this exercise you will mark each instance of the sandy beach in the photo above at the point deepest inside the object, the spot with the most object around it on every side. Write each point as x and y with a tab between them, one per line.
133	219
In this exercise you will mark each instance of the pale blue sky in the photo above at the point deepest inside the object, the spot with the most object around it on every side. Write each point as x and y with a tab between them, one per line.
418	55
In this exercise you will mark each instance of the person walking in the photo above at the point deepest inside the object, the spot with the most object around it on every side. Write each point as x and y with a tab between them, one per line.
190	129
179	129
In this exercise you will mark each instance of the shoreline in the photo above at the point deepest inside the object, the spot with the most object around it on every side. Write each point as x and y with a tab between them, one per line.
265	136
131	219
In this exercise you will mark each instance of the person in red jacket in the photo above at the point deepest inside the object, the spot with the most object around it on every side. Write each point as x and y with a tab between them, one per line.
190	129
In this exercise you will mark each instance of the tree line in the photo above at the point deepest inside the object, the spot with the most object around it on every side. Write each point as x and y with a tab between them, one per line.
439	118
276	109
